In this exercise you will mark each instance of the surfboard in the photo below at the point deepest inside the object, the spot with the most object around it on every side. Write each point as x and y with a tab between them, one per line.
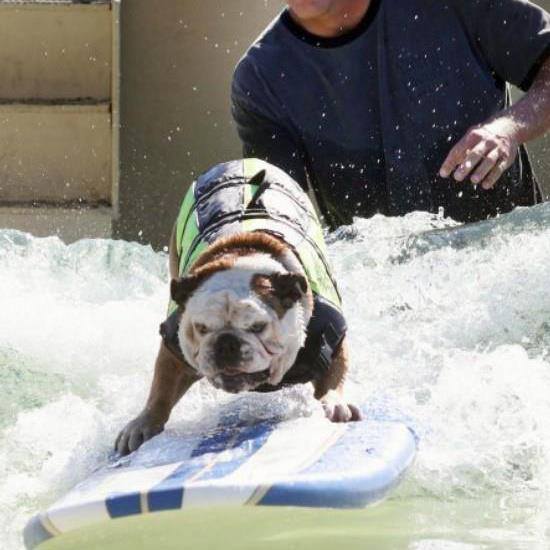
304	462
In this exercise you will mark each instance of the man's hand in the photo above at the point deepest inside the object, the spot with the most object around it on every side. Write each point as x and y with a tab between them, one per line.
489	149
483	154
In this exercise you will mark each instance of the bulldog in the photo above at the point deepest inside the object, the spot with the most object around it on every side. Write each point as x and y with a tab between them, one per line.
253	303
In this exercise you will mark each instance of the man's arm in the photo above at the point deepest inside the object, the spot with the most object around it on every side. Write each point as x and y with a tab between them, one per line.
489	149
512	39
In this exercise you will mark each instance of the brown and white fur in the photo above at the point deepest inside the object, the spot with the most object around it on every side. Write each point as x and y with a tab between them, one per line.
245	307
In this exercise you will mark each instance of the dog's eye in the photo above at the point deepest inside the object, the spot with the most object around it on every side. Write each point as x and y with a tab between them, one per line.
201	329
256	328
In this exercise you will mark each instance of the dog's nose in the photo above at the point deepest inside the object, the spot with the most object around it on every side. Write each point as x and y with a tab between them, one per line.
228	350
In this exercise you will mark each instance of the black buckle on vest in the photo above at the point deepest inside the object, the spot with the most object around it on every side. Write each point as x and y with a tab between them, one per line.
329	340
169	333
324	359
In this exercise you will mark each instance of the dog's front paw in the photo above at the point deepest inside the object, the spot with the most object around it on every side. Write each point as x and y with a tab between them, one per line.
337	410
140	429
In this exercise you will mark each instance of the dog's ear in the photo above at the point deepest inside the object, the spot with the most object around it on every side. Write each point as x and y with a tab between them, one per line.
288	287
182	287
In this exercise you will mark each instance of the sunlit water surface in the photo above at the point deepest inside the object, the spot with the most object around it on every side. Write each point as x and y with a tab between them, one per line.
449	331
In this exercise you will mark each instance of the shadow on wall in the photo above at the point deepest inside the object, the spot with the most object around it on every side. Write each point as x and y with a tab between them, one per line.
177	62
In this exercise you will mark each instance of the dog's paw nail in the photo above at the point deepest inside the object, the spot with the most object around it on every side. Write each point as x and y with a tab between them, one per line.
356	413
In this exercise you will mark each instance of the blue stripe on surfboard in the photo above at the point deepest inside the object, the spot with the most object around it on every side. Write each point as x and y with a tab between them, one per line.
123	504
251	439
324	494
351	492
168	494
126	504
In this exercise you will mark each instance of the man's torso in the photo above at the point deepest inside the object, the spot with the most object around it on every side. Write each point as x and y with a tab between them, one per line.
376	114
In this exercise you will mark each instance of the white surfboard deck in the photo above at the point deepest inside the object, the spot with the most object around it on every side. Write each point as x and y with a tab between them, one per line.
306	462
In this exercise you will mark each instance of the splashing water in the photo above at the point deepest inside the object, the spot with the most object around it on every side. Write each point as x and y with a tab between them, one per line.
449	331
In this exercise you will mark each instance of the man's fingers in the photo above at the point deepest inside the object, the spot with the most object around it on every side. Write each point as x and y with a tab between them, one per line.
486	166
494	175
483	154
457	154
472	159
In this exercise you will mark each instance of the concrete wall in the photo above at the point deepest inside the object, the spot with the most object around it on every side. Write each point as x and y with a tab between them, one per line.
177	60
58	153
45	42
55	154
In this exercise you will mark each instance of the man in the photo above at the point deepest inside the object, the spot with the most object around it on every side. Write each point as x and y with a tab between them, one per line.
392	106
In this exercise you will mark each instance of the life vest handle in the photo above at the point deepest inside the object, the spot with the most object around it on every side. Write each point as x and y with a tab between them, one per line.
258	179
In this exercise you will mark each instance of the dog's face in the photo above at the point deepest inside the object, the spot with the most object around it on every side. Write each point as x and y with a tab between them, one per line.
242	326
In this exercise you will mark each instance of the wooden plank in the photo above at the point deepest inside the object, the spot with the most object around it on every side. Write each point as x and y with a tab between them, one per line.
55	153
68	224
55	50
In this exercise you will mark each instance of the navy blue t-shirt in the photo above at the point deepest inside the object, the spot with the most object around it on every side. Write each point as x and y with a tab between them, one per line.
367	118
329	124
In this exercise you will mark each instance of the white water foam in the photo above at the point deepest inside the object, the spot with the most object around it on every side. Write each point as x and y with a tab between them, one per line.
449	330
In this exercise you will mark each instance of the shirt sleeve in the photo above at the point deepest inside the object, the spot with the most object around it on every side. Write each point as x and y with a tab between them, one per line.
513	36
261	131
